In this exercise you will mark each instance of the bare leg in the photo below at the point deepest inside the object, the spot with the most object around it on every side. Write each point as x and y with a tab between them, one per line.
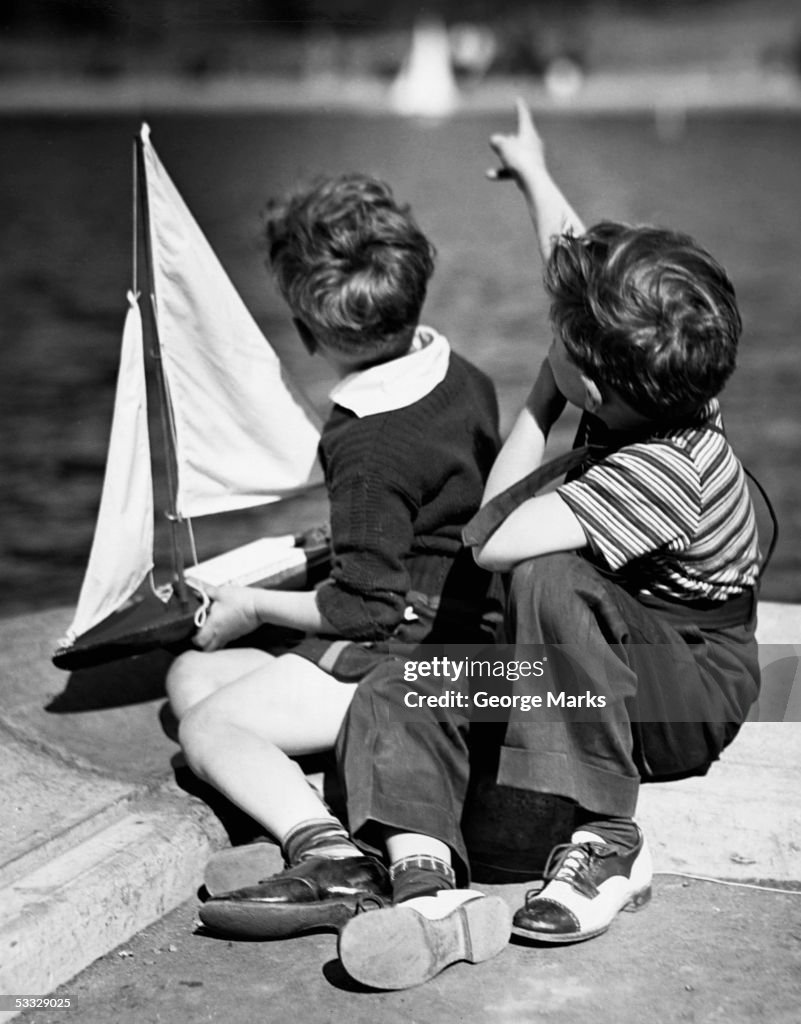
195	675
240	737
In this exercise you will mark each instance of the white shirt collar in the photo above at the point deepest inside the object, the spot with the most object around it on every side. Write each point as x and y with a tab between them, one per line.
398	383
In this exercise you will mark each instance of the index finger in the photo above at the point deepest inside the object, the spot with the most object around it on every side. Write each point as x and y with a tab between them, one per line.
524	120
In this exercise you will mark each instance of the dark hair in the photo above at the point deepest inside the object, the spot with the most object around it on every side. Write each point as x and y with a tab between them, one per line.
352	264
647	312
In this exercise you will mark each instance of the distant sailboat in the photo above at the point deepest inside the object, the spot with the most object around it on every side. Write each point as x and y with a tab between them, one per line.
237	435
425	85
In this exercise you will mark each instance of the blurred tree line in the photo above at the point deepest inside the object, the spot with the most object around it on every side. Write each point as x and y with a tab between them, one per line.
156	17
108	37
295	37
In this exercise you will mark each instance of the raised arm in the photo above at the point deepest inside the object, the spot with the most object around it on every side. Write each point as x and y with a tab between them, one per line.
522	157
545	523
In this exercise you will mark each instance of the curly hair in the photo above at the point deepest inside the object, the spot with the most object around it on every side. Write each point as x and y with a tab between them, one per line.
647	312
352	264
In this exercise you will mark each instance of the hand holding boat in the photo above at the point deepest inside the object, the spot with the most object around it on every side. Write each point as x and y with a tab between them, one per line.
232	614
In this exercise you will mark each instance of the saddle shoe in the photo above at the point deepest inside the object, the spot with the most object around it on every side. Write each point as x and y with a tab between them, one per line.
411	942
318	892
588	882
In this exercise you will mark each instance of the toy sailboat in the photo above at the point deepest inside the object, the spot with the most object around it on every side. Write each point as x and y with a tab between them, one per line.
237	434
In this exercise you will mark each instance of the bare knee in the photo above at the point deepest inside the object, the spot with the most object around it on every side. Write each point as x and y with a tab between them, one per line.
196	675
200	734
188	682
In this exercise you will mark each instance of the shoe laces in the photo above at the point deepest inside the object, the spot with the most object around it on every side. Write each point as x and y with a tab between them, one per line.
573	863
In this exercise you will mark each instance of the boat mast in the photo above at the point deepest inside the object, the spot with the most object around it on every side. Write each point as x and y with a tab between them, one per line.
165	407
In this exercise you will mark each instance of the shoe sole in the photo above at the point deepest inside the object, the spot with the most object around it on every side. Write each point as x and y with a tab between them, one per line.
240	866
243	919
635	903
398	948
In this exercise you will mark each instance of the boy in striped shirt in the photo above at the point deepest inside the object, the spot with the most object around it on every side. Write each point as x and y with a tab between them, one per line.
644	564
638	575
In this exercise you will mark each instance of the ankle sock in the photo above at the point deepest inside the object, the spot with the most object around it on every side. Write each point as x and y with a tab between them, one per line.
620	832
420	875
323	837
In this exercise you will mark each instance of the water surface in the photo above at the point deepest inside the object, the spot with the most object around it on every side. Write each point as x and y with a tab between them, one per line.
65	259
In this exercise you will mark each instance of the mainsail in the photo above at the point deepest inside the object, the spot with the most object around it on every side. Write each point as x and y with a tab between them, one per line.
243	435
239	433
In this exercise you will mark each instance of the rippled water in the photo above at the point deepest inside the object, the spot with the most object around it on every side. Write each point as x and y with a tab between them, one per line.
66	254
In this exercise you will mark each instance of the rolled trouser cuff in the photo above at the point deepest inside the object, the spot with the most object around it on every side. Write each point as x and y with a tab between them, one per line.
592	787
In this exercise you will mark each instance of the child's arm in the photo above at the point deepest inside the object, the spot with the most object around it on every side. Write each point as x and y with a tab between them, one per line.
237	611
540	526
368	545
523	450
522	157
543	524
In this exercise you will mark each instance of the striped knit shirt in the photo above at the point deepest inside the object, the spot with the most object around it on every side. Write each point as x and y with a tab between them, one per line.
672	514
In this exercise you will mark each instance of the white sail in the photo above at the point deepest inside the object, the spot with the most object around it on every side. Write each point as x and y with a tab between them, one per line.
122	548
244	436
425	85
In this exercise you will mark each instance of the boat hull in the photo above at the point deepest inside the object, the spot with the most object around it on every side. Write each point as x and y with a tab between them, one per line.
145	622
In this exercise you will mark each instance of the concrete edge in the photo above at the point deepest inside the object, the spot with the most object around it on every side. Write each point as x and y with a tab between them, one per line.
740	822
84	902
64	840
38	774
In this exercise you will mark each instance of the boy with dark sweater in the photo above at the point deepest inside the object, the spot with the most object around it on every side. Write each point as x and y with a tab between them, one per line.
406	452
639	573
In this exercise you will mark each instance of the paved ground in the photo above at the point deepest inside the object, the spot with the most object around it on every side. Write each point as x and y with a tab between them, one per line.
98	841
698	953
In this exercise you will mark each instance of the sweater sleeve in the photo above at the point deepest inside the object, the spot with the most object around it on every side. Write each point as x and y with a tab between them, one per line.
364	597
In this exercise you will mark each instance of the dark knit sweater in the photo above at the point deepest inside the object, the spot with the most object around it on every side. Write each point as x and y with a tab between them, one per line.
402	484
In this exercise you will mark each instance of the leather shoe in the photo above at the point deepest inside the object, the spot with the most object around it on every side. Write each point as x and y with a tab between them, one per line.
588	882
319	892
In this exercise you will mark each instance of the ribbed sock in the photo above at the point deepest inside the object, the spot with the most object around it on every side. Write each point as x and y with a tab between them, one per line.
420	875
321	837
619	832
